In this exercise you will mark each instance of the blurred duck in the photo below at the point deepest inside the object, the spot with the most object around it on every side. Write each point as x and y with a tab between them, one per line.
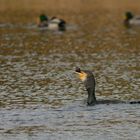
43	21
131	19
57	24
54	23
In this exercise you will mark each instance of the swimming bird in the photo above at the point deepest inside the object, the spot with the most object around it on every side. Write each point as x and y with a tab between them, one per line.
43	21
54	23
130	19
88	79
57	24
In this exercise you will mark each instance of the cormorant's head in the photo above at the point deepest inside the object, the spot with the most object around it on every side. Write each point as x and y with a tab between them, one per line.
78	70
43	17
129	15
82	75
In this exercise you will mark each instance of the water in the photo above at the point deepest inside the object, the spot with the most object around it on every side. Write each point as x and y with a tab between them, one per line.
40	95
71	122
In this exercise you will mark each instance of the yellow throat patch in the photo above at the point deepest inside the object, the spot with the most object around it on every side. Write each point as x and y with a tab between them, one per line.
82	76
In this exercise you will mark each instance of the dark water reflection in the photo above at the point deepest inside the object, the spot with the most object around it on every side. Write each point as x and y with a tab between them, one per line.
41	97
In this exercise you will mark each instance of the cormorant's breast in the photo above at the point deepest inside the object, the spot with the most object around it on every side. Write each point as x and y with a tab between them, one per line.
90	80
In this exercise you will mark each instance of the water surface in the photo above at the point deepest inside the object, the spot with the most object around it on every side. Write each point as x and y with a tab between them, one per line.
40	95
